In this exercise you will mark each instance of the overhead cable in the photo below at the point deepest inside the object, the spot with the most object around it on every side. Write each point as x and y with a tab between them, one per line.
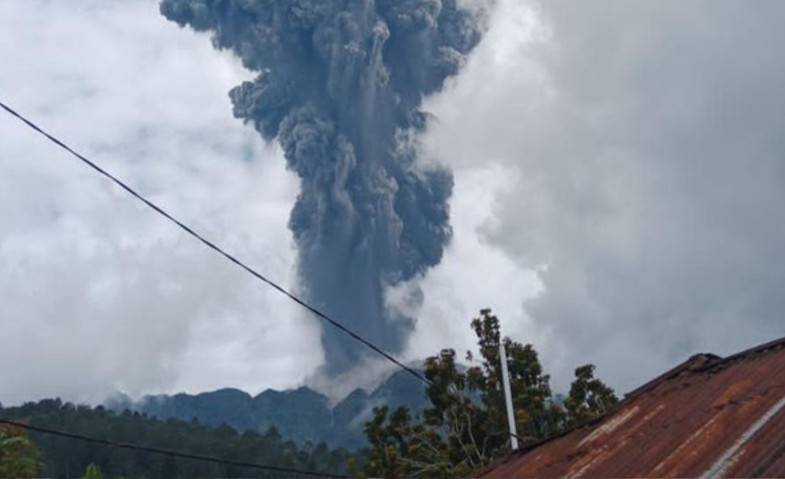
166	452
334	323
318	313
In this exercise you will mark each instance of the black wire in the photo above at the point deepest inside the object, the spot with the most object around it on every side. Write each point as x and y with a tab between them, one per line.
166	452
220	251
216	248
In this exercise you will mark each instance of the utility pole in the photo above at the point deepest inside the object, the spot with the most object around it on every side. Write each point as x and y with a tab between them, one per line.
508	396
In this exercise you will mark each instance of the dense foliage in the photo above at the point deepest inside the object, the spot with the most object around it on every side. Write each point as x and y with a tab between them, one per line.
67	458
19	458
465	426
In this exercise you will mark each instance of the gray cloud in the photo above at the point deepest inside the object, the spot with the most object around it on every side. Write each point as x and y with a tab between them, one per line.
339	83
648	144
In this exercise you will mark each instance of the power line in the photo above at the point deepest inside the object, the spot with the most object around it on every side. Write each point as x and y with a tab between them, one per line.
218	249
215	247
166	452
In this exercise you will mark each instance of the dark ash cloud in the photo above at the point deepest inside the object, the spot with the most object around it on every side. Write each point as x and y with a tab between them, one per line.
340	83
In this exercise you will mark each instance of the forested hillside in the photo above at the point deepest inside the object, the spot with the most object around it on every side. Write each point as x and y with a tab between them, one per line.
67	458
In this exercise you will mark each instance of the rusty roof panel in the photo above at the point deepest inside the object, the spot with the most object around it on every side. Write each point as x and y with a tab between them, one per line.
707	417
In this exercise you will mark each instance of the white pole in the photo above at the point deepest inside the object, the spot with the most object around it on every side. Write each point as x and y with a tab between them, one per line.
508	396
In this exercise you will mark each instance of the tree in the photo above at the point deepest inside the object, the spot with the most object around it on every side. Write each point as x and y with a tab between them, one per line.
536	414
589	397
19	457
401	448
465	426
93	472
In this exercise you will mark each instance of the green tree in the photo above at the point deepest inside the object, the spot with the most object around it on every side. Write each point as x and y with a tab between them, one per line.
19	457
589	397
536	414
93	472
403	448
465	426
389	436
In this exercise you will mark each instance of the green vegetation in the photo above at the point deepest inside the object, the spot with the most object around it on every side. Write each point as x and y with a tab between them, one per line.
465	425
588	397
93	472
19	458
67	458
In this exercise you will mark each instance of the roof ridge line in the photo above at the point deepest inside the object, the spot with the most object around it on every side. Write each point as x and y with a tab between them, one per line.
696	362
756	349
709	361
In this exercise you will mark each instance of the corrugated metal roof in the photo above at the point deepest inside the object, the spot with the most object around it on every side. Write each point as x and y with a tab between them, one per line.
707	417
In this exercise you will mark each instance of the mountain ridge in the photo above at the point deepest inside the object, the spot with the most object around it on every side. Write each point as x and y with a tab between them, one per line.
300	414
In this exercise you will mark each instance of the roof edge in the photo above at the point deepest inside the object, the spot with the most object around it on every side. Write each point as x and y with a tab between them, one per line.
702	362
756	349
693	363
696	362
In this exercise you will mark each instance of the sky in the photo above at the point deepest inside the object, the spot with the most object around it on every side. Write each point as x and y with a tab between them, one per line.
619	168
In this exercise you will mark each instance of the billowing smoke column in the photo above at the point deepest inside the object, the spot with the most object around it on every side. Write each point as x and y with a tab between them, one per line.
340	84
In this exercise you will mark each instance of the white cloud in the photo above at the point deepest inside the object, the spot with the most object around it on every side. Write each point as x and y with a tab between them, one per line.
647	142
99	293
473	275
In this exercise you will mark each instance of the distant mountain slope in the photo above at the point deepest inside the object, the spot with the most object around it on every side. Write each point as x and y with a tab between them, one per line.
302	415
64	458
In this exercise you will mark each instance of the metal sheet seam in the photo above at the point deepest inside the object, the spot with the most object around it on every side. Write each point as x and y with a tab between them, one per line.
725	461
609	425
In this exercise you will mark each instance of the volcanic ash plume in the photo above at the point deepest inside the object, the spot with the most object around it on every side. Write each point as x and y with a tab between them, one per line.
340	85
